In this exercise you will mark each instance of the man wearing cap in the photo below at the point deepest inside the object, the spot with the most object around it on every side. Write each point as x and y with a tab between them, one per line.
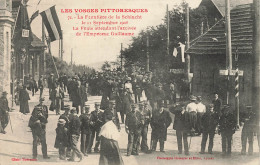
51	83
85	130
227	127
147	114
160	121
209	123
37	123
40	85
191	108
201	109
74	130
96	122
4	109
133	127
112	105
248	131
66	116
43	107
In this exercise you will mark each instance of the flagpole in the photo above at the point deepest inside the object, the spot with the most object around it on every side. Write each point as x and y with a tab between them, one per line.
49	47
61	46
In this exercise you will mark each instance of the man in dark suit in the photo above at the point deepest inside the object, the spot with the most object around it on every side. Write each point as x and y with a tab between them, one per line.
217	104
160	121
51	83
181	125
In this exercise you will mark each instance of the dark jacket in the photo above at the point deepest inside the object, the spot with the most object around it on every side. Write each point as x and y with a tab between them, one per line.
74	125
134	121
85	123
209	121
97	119
217	104
227	123
62	137
159	123
181	121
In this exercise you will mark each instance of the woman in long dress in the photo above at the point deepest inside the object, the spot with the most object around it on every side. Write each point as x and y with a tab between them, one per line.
109	149
23	98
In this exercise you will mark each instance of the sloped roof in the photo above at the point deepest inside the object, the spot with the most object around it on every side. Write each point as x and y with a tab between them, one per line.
37	42
214	41
220	4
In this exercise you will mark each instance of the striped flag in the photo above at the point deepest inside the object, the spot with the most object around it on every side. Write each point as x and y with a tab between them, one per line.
52	23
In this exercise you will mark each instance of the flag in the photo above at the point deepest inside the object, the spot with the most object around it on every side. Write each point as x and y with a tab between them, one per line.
34	15
52	23
175	52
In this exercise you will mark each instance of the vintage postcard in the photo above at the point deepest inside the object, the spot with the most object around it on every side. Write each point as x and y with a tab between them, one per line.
129	82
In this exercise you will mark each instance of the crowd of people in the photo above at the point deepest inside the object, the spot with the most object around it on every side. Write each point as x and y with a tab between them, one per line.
140	104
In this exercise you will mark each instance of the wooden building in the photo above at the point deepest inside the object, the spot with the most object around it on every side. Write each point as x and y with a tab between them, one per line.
208	53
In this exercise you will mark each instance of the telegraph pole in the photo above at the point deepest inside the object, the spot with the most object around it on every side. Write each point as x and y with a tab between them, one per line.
256	61
71	57
61	45
187	36
121	56
168	31
228	47
147	53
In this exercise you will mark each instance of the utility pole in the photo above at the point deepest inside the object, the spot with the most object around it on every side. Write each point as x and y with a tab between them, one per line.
71	57
168	31
228	47
187	31
121	57
256	61
147	53
43	40
61	45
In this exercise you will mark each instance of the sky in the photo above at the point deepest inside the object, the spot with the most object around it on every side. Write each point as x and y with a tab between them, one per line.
89	50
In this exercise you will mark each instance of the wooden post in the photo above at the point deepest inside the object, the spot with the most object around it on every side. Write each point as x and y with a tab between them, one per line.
121	56
228	47
147	53
187	59
256	61
168	31
43	56
61	46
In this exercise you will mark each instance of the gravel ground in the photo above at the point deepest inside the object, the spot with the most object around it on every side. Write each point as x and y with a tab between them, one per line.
16	147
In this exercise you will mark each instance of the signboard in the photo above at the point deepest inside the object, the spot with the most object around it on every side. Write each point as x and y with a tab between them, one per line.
25	33
177	71
232	73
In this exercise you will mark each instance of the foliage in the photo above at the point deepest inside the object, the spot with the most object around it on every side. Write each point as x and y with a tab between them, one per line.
64	67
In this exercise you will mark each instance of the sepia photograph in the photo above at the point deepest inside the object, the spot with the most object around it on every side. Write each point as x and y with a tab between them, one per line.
129	82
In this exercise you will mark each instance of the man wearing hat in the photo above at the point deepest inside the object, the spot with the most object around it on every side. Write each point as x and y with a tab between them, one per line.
160	121
181	126
147	114
217	104
85	130
4	109
191	108
248	130
40	85
96	122
227	127
37	123
62	138
133	127
74	130
209	123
